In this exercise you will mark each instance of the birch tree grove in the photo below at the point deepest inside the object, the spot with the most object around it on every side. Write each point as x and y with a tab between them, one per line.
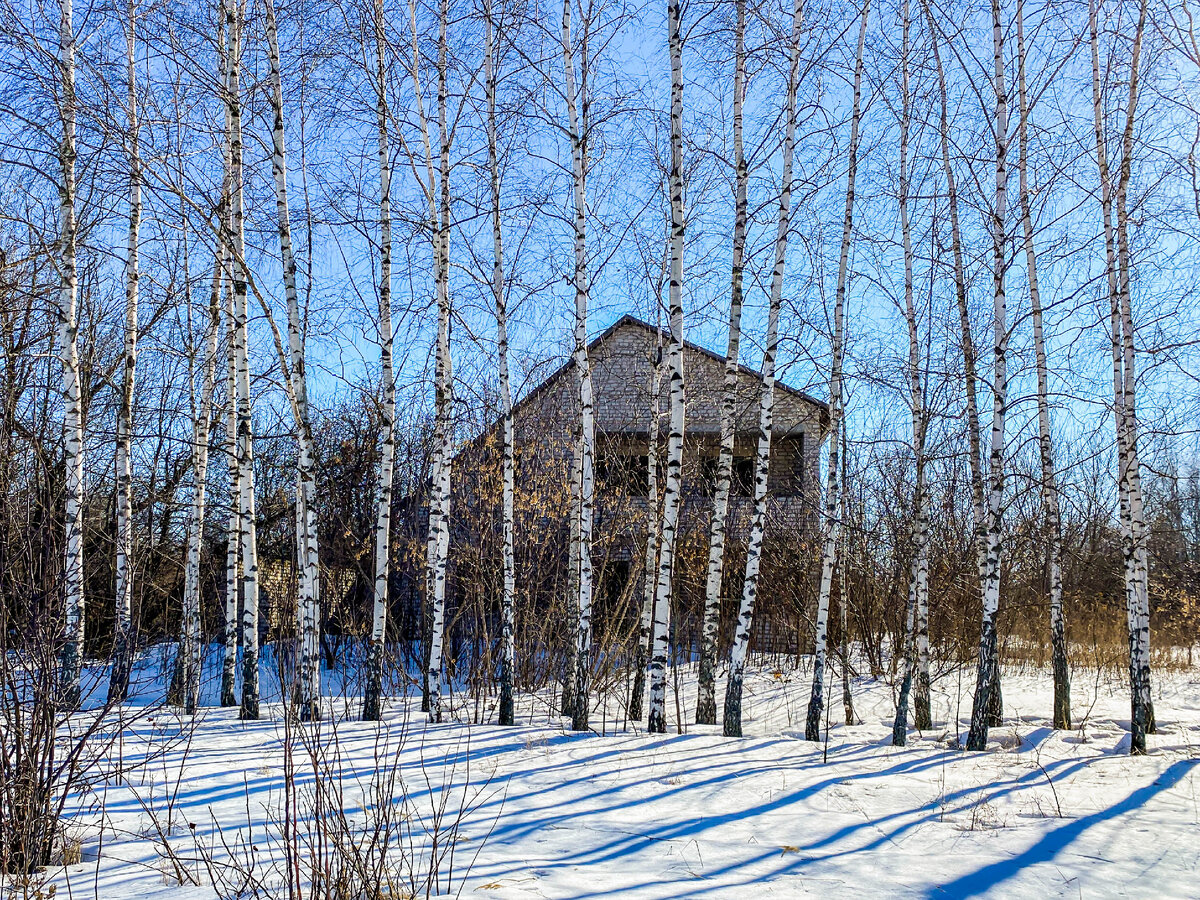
732	719
373	691
706	702
308	604
816	703
661	632
1049	484
481	454
118	688
66	312
981	712
583	473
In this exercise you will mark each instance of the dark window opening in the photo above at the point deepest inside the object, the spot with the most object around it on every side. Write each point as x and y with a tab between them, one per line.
624	471
743	476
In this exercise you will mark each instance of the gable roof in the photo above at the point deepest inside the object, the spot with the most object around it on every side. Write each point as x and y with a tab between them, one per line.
629	320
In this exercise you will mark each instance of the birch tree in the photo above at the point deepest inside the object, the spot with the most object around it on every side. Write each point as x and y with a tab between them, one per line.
118	687
1117	263
247	533
233	526
966	337
732	719
816	703
508	475
189	651
438	542
661	634
988	647
916	656
308	604
653	523
1049	485
1142	705
583	474
373	692
67	330
706	702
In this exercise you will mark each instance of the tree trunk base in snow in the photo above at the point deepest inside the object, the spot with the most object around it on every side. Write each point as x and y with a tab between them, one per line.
995	707
816	705
507	712
1062	692
900	723
372	708
175	693
68	678
732	723
118	682
922	708
706	698
637	694
249	708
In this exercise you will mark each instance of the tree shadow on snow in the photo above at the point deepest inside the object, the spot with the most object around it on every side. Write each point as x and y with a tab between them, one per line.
1054	842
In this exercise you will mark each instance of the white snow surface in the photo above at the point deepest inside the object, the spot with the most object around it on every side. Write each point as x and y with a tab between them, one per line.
557	814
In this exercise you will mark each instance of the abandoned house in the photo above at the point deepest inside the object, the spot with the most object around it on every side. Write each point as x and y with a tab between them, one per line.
545	424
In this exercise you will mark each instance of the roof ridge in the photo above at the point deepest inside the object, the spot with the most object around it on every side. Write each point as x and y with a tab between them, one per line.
631	319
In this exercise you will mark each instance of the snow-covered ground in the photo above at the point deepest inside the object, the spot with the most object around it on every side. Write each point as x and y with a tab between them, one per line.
554	814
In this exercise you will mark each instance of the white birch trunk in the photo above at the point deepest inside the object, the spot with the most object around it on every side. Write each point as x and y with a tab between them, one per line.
732	719
585	462
970	377
233	527
189	649
816	703
844	602
1133	475
508	476
71	656
916	657
1115	328
439	519
247	537
1124	390
706	702
308	603
1049	485
988	662
567	704
118	687
373	694
661	635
